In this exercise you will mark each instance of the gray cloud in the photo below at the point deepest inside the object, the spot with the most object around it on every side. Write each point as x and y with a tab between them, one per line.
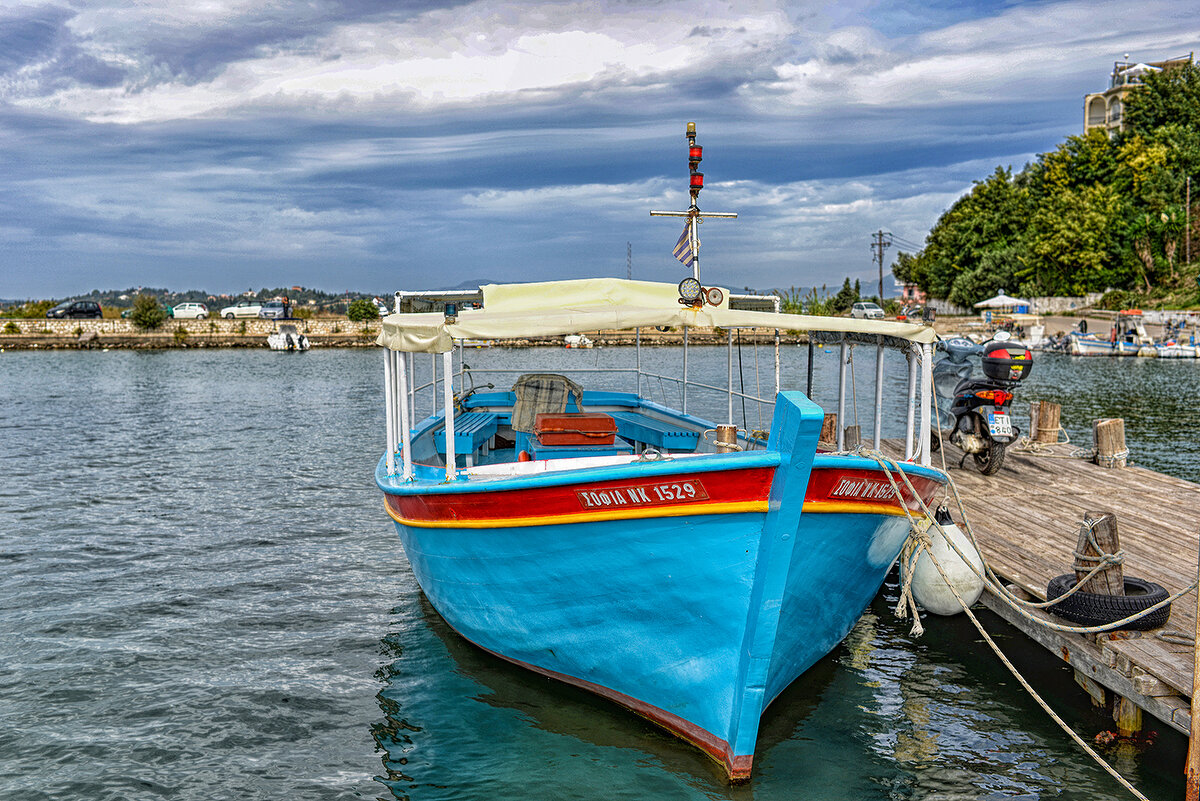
368	145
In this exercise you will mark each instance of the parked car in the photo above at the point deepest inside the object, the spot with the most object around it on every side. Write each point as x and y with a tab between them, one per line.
127	313
243	308
75	309
866	310
191	311
273	310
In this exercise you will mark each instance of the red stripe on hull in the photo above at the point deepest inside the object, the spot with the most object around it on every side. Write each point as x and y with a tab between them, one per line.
660	492
867	487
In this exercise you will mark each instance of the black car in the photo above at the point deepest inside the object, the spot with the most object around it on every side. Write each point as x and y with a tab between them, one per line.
74	309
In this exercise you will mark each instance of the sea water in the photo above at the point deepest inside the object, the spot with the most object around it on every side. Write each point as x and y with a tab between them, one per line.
201	597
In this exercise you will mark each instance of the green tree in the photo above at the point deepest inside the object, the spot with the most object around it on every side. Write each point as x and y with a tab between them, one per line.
997	271
361	310
32	309
1165	98
990	217
147	313
846	297
1073	246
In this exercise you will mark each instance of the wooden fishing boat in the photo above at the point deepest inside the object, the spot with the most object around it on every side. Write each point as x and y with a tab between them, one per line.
687	570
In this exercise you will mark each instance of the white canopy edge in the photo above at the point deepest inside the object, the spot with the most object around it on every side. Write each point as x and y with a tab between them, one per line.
555	308
1000	301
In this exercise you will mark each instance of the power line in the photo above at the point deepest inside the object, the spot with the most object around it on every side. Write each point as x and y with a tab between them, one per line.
906	243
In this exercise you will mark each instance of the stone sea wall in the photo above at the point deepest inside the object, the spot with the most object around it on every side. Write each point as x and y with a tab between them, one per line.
252	333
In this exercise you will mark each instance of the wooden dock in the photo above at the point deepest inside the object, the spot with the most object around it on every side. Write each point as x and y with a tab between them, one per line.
1027	518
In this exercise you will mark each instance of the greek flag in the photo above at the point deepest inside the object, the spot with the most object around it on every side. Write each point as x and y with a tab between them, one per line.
683	248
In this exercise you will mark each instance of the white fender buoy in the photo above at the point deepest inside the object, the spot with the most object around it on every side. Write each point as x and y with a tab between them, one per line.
929	589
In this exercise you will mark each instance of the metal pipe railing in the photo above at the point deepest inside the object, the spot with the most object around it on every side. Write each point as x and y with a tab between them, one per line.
878	393
401	392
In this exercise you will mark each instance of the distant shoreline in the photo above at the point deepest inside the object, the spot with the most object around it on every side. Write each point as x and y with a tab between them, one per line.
36	334
169	341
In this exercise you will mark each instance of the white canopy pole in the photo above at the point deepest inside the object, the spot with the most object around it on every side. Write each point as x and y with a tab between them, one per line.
729	370
411	364
878	393
685	366
638	356
841	418
926	394
910	354
448	406
405	428
389	410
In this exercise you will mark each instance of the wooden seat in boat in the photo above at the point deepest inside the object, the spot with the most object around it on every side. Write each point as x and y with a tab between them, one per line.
661	434
473	431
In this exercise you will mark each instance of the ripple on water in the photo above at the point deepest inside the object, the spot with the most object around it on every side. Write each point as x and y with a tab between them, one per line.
201	599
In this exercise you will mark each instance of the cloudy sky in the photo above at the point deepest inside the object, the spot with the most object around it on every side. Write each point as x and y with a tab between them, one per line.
382	144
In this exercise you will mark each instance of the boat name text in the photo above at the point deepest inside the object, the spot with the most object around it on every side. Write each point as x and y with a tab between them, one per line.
643	495
863	488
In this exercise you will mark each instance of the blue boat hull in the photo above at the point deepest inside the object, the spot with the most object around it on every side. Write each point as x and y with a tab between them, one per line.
694	619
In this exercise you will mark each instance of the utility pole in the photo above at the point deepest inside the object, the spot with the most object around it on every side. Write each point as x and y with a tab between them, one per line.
629	260
882	239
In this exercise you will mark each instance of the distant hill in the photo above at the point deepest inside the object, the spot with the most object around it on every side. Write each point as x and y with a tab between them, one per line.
299	296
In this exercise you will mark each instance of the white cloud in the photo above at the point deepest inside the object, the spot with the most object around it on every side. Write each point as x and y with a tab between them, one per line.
484	51
989	60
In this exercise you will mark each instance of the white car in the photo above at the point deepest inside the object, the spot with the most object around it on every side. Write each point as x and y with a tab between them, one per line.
243	308
190	311
865	310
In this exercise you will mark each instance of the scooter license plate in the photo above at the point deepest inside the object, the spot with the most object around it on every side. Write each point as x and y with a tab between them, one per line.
999	424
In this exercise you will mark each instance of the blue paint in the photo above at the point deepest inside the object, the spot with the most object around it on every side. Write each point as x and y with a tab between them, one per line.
706	617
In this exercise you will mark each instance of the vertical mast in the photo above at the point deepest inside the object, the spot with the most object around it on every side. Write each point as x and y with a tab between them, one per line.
693	214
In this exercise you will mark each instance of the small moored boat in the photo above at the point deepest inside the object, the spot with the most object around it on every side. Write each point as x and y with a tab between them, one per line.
287	338
685	569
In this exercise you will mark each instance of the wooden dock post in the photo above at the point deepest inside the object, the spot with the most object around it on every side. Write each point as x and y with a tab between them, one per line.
1127	715
1103	527
853	437
1047	421
1109	438
1192	792
829	431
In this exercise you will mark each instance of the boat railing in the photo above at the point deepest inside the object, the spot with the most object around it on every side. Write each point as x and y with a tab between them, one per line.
404	393
917	424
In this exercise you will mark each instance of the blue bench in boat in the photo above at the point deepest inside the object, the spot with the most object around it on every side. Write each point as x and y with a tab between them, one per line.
472	432
649	431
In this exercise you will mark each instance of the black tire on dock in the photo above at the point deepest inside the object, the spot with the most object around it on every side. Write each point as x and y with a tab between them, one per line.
1091	609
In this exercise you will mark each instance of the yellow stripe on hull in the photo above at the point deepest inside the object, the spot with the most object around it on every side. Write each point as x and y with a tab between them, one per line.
588	517
811	507
844	507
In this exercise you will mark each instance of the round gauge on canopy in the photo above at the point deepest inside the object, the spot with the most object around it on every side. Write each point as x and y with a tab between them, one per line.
689	290
714	296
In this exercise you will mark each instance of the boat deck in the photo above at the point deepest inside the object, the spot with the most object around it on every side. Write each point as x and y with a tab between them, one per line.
1026	519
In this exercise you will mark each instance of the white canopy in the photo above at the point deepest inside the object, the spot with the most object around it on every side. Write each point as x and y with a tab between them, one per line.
1002	301
1139	69
553	308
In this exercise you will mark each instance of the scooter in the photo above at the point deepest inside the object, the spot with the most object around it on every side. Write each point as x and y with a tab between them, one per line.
977	409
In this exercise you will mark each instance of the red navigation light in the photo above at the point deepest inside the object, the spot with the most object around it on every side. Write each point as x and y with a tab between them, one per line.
697	180
695	154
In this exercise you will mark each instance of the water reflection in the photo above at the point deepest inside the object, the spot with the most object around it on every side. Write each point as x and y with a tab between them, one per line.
883	716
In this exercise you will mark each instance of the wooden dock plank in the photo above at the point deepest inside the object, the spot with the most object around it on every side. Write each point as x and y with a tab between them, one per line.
1026	519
